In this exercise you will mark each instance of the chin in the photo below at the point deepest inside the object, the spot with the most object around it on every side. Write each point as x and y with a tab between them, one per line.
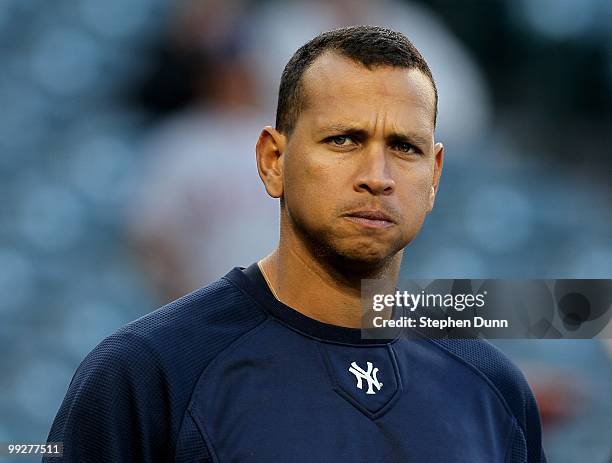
367	257
364	259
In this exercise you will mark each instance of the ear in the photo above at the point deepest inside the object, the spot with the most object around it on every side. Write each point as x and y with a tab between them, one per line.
269	150
437	171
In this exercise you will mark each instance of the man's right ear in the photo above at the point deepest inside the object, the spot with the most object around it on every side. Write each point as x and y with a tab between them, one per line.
269	151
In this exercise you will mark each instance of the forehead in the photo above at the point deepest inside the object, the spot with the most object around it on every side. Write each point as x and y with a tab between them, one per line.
338	87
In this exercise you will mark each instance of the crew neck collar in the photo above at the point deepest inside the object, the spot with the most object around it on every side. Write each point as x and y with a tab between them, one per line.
253	282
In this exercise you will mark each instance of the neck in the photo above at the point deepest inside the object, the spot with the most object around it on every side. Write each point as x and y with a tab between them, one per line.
315	287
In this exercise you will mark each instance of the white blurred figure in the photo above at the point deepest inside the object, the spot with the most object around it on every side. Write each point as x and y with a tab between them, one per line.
201	207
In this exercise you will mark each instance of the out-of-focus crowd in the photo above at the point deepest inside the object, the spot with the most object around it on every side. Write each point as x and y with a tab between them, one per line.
128	174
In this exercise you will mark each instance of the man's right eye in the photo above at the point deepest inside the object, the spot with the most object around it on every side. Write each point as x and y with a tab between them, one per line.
339	140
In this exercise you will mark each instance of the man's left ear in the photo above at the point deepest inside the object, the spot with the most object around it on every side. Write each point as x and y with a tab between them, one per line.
438	162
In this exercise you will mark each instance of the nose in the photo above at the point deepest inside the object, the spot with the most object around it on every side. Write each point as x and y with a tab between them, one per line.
374	174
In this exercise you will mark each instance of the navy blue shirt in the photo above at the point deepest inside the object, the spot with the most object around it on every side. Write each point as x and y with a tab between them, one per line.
230	374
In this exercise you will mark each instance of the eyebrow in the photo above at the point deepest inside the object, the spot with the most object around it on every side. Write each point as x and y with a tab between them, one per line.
358	132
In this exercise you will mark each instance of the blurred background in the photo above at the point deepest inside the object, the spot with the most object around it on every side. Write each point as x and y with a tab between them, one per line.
127	171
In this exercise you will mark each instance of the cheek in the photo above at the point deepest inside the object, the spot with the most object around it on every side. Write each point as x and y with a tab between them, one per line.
309	184
415	193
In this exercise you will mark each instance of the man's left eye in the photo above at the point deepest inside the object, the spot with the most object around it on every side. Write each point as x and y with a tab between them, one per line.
405	147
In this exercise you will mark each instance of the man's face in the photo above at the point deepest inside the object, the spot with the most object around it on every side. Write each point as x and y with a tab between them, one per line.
360	168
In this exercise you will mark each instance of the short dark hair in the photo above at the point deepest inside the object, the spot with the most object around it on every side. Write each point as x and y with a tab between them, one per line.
368	45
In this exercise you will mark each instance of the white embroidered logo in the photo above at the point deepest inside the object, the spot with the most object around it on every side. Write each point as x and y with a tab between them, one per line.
369	376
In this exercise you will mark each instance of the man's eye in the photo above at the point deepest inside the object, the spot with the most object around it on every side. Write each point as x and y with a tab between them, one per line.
339	140
405	147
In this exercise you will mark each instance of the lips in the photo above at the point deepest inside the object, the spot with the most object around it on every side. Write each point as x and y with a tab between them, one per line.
371	218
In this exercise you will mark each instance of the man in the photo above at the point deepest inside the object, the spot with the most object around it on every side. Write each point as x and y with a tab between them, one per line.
268	364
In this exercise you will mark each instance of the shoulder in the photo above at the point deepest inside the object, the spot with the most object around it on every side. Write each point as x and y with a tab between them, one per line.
160	356
509	383
184	334
129	395
214	312
498	370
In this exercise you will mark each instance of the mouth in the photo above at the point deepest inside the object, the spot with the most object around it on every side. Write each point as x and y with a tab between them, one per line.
370	218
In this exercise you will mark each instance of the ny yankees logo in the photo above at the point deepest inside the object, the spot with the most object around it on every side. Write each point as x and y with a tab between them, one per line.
369	376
